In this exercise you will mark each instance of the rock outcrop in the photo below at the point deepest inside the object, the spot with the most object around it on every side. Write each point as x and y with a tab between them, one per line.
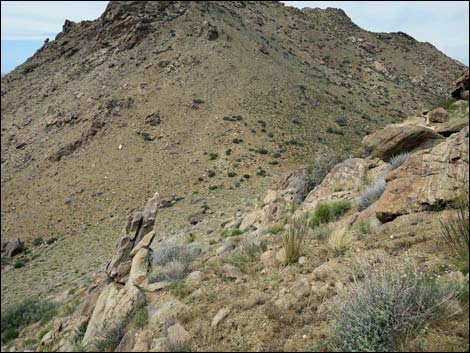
429	178
397	138
462	86
11	248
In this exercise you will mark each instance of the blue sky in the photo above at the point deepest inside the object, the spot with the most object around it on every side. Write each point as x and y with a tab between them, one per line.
445	24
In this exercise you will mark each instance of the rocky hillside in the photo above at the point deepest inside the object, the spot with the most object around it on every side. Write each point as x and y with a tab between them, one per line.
200	108
368	254
207	102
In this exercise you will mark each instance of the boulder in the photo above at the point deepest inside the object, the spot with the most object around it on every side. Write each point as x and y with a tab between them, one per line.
11	248
397	138
114	305
429	177
438	115
451	127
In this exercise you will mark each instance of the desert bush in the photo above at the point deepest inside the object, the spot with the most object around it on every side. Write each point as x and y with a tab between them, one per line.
322	232
398	160
339	242
25	313
140	317
230	232
248	252
362	226
454	233
111	337
275	228
387	308
293	240
172	261
372	193
327	212
322	162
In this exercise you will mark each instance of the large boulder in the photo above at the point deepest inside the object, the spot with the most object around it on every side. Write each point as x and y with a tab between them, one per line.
114	305
429	178
397	138
438	115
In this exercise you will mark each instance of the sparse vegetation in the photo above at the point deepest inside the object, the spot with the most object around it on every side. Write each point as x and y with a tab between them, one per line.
140	317
339	242
362	226
387	308
321	164
327	212
111	338
172	261
293	240
230	232
275	228
372	193
24	313
398	160
454	233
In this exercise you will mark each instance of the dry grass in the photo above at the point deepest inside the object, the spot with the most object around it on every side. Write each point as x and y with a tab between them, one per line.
293	240
454	233
339	242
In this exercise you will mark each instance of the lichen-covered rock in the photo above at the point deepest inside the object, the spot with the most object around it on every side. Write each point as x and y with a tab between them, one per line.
397	138
428	178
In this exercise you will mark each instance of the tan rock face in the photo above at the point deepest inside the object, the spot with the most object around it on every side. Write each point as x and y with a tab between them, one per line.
178	336
139	269
438	115
428	177
394	139
452	126
114	305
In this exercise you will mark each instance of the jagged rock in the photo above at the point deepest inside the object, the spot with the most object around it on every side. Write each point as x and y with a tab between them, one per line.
427	178
138	226
395	139
268	259
438	115
281	256
11	248
114	305
462	86
250	220
292	187
221	314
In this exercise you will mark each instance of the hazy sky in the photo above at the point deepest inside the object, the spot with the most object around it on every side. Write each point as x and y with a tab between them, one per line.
445	24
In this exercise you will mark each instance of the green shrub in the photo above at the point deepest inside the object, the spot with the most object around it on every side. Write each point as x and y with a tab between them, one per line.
339	242
25	313
111	338
390	306
38	241
230	232
19	264
362	226
231	174
293	240
327	212
454	233
140	317
321	232
211	174
262	151
198	101
213	156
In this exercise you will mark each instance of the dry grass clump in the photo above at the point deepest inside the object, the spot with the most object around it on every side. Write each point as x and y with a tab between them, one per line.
339	242
293	240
